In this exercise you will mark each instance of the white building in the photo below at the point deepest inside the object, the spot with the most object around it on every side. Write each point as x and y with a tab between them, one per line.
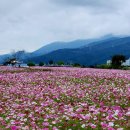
108	62
127	62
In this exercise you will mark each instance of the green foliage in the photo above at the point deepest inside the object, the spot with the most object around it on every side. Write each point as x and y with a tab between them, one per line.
60	63
31	64
104	66
41	63
76	65
126	68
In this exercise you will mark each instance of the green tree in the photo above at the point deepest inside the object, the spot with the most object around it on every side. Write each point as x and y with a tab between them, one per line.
76	65
41	63
60	63
31	64
117	61
51	62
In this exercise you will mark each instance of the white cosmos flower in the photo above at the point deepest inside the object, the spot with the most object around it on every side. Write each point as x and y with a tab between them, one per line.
111	123
83	126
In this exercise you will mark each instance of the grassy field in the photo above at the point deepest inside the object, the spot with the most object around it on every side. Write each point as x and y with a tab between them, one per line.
42	98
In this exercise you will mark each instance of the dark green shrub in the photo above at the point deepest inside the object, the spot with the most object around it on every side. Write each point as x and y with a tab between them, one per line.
117	61
41	63
104	66
60	63
31	64
76	65
51	62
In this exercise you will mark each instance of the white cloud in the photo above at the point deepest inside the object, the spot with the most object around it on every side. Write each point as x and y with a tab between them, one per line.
30	24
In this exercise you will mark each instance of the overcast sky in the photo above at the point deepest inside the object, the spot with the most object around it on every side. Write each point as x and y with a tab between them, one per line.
30	24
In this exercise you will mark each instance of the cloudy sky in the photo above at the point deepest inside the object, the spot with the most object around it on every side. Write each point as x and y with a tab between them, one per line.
30	24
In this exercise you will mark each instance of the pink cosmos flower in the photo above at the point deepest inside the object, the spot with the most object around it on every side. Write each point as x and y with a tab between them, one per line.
93	126
110	128
13	127
119	128
54	128
104	125
45	124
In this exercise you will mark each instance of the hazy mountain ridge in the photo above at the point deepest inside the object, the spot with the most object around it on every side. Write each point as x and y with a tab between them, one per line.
56	46
70	45
62	45
95	53
85	52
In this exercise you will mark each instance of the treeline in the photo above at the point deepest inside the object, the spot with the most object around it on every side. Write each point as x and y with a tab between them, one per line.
116	62
52	63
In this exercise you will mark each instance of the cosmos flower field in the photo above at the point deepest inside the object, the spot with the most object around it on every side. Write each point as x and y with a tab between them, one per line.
64	99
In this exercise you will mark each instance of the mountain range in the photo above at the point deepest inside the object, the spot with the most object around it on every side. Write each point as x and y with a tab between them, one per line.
68	45
85	52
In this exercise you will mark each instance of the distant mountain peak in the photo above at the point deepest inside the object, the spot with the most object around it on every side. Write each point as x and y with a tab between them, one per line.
97	52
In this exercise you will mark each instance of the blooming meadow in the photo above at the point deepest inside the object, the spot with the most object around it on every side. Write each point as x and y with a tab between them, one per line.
64	99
